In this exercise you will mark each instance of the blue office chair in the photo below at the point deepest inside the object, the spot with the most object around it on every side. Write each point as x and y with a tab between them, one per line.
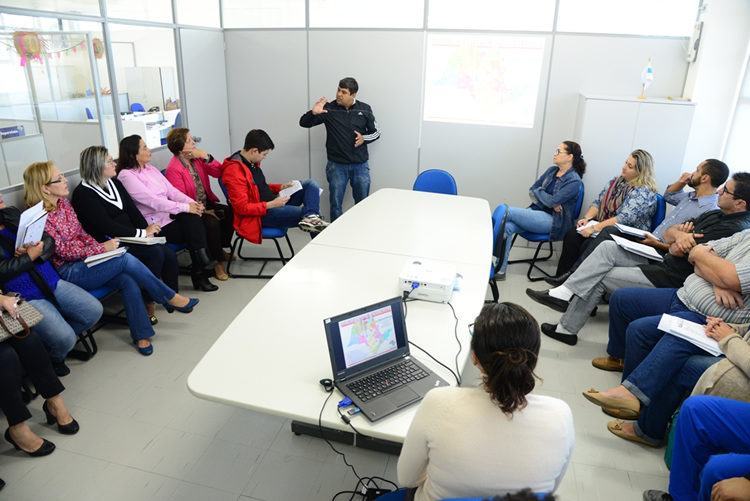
436	181
89	114
543	238
177	121
499	217
136	107
267	232
661	212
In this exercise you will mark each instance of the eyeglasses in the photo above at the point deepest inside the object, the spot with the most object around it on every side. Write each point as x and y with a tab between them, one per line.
733	195
558	151
58	179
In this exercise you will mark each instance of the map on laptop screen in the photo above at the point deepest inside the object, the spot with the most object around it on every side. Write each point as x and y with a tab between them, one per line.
367	336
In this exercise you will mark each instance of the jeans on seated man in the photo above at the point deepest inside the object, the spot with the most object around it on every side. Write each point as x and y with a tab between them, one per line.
256	203
707	177
719	288
611	267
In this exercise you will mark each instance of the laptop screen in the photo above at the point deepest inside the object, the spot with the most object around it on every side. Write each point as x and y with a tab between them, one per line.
366	337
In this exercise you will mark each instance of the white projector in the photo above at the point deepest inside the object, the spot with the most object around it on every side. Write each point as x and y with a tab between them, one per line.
428	280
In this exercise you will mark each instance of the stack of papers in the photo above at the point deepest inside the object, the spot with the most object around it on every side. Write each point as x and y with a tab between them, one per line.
288	192
629	230
31	225
689	331
104	256
590	223
636	248
142	240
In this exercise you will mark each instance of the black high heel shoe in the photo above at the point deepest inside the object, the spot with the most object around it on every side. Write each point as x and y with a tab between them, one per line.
66	429
45	449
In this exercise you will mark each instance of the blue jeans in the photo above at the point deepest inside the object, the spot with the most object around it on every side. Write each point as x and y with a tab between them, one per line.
129	275
59	329
654	418
520	220
358	175
304	202
712	443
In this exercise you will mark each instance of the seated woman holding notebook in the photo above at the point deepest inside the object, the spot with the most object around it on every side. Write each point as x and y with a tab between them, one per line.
493	439
178	215
188	171
43	181
106	211
68	310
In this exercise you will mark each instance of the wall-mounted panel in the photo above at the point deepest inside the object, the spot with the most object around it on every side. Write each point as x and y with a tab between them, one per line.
267	89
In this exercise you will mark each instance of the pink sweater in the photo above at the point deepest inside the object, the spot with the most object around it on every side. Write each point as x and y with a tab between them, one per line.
72	243
153	194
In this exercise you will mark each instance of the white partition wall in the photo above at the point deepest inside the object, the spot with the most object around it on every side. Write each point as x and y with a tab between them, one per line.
267	89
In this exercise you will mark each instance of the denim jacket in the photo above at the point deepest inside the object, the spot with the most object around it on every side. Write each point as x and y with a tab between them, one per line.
565	194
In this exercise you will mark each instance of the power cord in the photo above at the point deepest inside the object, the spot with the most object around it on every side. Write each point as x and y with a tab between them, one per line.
455	334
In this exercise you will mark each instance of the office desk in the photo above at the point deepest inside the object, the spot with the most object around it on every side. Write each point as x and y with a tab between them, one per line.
273	354
413	223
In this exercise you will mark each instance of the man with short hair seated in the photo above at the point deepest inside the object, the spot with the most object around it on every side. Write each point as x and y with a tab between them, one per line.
256	203
611	267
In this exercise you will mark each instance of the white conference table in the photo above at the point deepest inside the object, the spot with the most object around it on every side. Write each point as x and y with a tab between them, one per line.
271	357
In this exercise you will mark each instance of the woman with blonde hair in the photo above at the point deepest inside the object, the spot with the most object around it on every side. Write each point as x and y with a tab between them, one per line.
628	199
44	182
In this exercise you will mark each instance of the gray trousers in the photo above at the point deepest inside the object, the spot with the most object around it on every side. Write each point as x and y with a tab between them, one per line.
607	269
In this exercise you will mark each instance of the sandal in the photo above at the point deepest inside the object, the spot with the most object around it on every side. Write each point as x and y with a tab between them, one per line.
615	427
632	410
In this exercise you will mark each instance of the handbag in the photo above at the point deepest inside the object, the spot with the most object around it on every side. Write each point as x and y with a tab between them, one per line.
28	317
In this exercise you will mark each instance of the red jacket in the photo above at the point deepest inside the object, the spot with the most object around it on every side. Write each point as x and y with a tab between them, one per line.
244	198
180	177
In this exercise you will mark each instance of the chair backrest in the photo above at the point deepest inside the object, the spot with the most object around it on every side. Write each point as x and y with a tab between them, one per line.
136	107
178	120
436	181
579	201
224	190
499	217
661	211
89	114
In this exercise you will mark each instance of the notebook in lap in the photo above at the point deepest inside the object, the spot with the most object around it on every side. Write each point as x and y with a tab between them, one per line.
371	362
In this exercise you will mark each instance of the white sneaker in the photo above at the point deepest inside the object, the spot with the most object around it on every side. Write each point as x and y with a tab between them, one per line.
313	224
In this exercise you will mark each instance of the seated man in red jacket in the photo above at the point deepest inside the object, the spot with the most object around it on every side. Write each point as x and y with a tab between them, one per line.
257	203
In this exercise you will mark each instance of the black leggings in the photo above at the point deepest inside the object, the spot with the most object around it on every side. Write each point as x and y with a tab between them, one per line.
574	245
19	357
218	231
186	228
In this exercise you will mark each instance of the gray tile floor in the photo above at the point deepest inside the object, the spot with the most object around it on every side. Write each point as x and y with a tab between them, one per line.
145	437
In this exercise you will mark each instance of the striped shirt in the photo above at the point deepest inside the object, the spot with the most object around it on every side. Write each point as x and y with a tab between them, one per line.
698	293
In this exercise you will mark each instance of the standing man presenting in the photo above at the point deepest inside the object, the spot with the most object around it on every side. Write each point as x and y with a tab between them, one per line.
350	126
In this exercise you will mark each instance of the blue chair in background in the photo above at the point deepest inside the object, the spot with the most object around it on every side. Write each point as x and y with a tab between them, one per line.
661	212
89	114
499	217
436	181
177	121
136	107
269	233
86	339
541	239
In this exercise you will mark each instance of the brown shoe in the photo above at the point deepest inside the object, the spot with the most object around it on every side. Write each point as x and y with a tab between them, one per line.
609	364
624	414
620	404
616	428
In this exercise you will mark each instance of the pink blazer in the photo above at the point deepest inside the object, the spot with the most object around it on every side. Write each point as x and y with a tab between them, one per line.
180	177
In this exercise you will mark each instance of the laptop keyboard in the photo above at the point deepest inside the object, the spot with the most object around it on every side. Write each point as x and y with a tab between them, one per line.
386	380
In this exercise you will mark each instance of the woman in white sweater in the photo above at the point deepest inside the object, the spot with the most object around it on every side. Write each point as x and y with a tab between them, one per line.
496	438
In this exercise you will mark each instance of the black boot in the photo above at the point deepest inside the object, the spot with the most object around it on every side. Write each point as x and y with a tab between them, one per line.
201	281
200	259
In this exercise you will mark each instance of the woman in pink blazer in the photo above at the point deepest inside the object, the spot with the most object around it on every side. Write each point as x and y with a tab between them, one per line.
188	171
177	215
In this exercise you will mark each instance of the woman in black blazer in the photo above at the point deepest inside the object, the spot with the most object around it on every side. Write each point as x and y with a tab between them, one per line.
106	211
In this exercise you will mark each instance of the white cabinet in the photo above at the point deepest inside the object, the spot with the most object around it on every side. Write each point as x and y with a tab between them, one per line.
608	128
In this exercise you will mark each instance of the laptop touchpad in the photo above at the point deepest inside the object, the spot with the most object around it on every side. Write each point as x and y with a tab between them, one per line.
403	397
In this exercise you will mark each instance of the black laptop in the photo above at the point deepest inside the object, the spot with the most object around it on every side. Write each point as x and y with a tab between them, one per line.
371	363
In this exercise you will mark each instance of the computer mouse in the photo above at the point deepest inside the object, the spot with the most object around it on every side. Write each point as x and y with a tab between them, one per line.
327	384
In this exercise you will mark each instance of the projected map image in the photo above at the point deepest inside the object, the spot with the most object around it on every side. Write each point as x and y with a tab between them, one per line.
366	336
481	79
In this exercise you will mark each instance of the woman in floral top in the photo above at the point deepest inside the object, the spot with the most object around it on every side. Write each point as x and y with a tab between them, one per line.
43	181
629	199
